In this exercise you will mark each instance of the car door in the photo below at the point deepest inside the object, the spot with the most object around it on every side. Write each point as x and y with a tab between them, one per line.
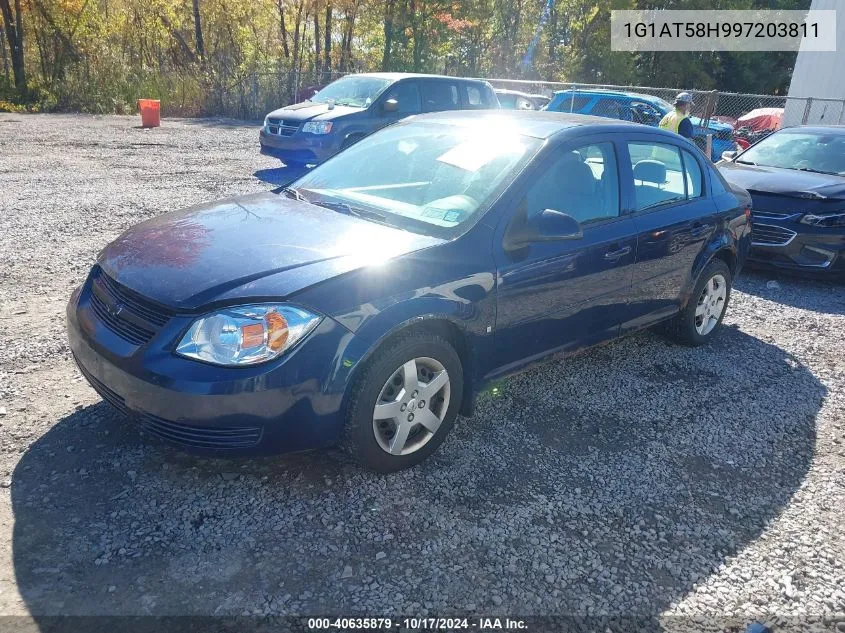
565	294
674	218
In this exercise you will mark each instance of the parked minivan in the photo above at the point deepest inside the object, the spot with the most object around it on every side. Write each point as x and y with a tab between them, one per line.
354	106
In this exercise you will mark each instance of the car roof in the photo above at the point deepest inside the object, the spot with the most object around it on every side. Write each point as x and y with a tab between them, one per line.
540	124
610	93
398	76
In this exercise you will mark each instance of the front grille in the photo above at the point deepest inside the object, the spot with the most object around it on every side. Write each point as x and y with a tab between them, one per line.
771	235
200	436
280	127
773	215
105	393
125	313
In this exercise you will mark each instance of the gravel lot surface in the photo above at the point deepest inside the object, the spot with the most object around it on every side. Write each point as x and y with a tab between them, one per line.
640	478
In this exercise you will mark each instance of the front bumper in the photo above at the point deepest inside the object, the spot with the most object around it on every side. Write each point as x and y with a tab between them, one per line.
790	245
289	404
299	147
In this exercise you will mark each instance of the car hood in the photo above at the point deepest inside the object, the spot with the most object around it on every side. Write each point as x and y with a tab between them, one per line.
256	247
311	110
785	182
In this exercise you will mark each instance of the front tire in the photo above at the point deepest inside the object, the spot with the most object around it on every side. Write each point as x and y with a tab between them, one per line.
701	317
404	403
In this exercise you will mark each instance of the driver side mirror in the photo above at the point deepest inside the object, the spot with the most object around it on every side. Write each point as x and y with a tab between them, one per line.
729	155
391	105
547	226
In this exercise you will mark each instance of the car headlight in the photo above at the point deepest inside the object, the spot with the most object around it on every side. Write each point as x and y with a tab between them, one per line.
830	220
246	335
317	127
266	122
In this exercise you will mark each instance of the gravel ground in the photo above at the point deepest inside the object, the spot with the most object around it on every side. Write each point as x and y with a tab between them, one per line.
701	486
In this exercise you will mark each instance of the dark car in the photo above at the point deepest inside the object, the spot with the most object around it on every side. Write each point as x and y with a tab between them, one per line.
354	106
516	100
796	178
369	302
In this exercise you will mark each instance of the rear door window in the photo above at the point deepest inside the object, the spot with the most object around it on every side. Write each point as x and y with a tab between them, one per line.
658	174
440	95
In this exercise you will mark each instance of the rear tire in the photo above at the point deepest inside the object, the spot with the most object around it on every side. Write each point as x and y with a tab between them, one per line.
404	403
700	319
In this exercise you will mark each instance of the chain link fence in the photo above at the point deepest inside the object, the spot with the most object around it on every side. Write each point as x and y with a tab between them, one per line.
253	95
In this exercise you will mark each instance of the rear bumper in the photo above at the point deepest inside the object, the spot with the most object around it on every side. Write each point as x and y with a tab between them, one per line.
286	405
299	147
800	248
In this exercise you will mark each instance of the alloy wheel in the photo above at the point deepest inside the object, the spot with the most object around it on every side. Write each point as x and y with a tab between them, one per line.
711	304
411	406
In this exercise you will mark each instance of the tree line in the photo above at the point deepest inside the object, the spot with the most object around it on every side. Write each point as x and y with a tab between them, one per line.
243	57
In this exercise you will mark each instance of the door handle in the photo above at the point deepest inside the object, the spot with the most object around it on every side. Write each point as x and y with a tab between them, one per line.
617	254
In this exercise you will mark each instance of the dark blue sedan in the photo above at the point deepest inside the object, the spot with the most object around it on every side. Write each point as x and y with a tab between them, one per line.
370	301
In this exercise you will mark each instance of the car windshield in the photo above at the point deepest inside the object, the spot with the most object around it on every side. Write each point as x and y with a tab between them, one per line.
802	150
352	90
422	176
662	105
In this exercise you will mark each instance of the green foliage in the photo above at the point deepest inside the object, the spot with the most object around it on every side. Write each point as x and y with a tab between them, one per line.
244	58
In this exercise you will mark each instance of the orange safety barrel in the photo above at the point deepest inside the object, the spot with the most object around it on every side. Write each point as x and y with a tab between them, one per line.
150	110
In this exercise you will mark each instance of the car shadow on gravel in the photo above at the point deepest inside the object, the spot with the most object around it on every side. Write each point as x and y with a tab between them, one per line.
280	176
611	483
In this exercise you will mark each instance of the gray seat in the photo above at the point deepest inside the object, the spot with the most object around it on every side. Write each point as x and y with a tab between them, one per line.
578	189
569	187
649	179
650	171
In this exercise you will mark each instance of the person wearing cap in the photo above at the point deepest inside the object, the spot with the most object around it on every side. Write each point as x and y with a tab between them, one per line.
678	120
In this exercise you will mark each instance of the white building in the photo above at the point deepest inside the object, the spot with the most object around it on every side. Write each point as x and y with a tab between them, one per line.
817	89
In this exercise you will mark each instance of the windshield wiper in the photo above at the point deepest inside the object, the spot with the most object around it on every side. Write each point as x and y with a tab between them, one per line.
817	171
343	207
293	193
745	162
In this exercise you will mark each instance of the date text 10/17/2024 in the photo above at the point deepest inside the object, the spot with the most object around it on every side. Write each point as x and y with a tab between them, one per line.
417	624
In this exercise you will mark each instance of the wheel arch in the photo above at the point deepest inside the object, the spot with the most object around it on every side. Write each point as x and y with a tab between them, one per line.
728	256
720	249
435	324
